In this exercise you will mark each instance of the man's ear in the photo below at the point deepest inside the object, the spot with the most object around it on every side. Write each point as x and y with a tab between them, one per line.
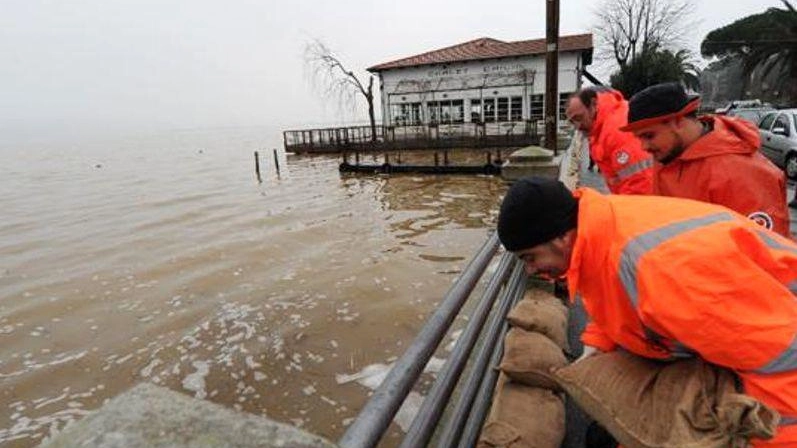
567	239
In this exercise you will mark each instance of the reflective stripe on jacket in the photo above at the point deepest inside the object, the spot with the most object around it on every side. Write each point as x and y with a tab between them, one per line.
725	167
625	166
666	277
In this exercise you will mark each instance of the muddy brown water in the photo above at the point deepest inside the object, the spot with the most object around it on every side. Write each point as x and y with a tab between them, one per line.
160	259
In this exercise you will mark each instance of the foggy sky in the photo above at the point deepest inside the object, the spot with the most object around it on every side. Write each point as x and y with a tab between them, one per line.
107	65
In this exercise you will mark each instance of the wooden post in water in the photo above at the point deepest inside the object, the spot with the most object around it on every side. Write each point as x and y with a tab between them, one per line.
436	159
277	163
257	168
445	157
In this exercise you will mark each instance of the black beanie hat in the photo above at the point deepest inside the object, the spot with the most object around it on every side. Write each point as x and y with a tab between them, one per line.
659	103
535	210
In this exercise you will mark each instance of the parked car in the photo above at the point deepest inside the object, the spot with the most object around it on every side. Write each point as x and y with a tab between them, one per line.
779	139
751	114
741	104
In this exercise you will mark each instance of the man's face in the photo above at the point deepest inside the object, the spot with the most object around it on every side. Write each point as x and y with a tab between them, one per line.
550	259
581	116
661	140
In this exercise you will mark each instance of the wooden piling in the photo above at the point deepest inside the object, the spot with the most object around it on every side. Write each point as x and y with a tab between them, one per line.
257	168
277	163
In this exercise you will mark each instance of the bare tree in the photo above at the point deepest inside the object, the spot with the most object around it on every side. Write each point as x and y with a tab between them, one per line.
336	81
628	28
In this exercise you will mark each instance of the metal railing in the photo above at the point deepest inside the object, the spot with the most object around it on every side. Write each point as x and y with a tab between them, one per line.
470	370
426	136
474	399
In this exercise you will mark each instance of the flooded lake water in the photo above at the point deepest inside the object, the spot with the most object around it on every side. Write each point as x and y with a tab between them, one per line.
160	259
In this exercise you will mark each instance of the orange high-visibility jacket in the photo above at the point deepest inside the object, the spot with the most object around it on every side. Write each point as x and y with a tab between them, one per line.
725	167
625	166
669	277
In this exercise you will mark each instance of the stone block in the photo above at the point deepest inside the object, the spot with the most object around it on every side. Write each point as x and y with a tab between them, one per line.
149	416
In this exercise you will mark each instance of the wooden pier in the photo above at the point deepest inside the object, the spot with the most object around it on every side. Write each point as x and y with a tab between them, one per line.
444	161
434	136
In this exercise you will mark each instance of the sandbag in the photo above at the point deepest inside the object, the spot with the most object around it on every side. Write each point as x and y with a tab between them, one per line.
647	404
523	417
529	357
543	313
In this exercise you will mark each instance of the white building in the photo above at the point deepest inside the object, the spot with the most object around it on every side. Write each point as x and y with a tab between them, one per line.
481	81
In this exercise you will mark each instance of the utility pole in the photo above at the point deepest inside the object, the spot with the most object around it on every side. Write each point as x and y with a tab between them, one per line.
551	73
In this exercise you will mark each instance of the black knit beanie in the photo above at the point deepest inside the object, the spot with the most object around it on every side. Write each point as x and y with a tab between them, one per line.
535	210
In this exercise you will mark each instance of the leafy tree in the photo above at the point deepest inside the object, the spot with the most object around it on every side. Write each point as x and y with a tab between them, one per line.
656	66
766	41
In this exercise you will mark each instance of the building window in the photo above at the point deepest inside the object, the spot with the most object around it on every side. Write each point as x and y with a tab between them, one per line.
536	108
516	108
446	111
563	97
476	111
415	114
457	111
489	110
397	115
503	109
405	114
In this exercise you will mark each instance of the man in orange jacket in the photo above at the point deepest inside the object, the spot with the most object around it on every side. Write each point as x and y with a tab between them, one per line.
711	159
600	113
666	278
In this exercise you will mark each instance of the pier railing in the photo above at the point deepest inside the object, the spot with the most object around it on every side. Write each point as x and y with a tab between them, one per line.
447	135
441	420
506	285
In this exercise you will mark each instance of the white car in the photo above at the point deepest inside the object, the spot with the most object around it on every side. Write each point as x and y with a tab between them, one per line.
779	139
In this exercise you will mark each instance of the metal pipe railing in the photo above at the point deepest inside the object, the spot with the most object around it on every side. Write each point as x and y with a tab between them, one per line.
428	416
454	426
374	419
483	400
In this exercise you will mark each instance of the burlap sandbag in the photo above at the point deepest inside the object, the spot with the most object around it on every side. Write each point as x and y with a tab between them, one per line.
529	358
523	417
647	404
543	313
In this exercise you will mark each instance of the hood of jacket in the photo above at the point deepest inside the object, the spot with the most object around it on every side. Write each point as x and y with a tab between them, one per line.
612	112
729	136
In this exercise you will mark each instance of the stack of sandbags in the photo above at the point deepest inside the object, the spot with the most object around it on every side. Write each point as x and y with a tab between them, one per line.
652	404
528	409
541	312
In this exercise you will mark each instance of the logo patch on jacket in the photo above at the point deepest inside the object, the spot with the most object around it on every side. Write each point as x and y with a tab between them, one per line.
762	219
622	157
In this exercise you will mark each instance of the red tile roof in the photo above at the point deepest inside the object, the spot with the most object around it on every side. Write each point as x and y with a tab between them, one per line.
487	48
